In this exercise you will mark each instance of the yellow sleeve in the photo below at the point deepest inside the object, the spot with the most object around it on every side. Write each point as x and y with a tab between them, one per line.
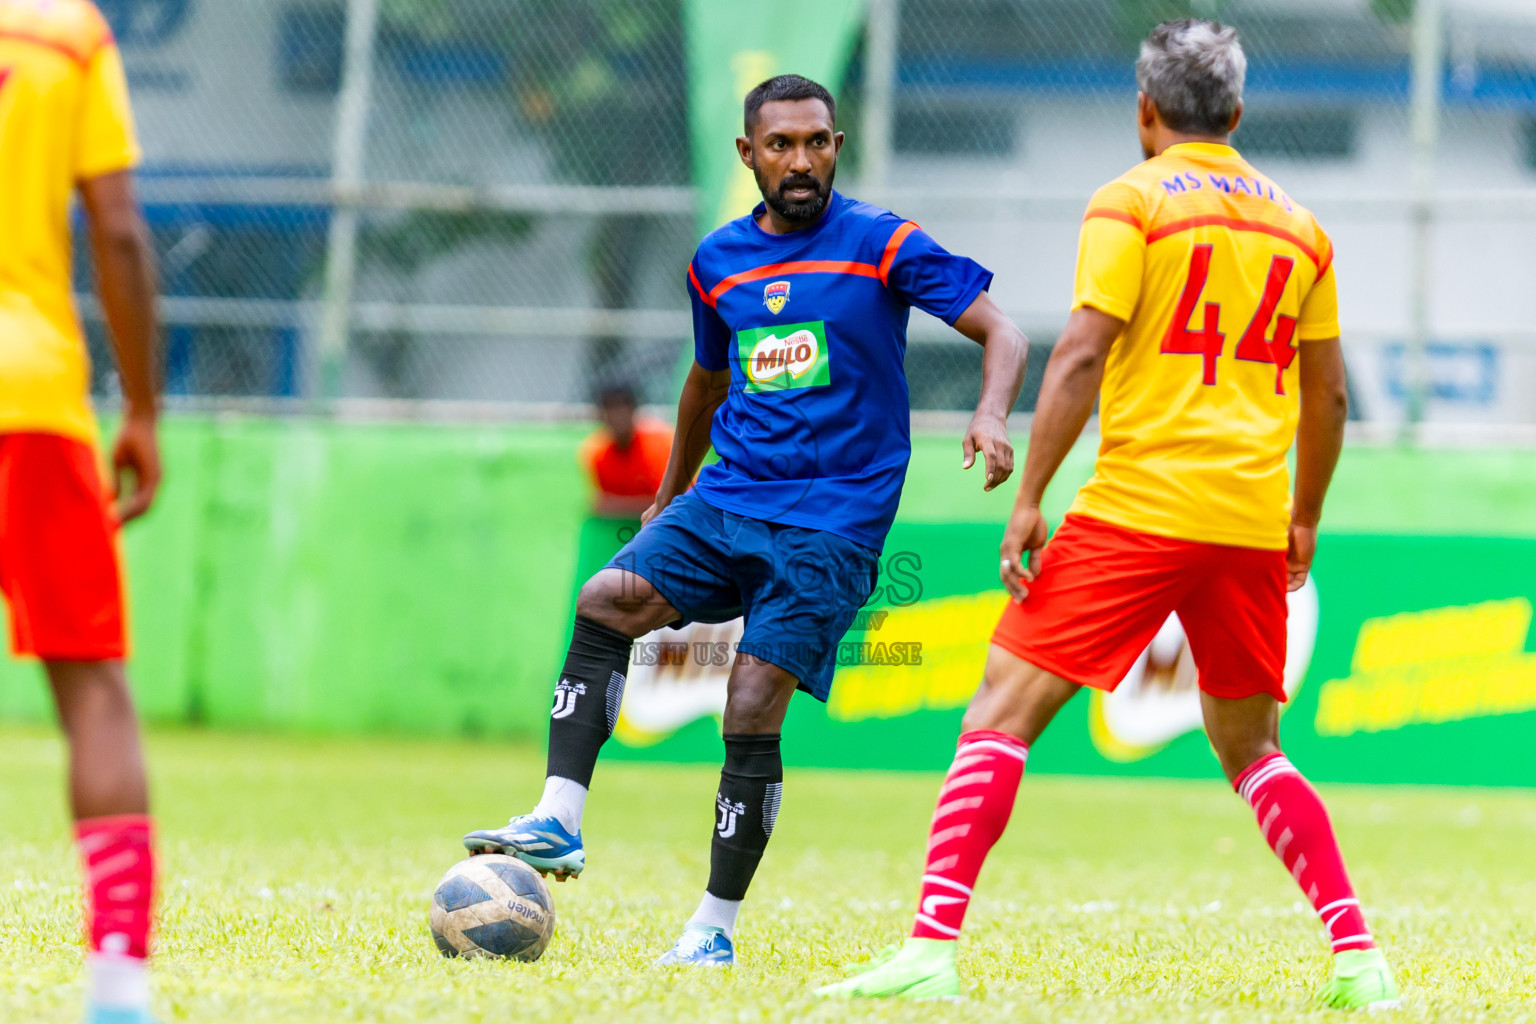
1320	309
1111	254
106	141
1319	318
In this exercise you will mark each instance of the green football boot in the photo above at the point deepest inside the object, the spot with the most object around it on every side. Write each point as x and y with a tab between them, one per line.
1361	981
918	969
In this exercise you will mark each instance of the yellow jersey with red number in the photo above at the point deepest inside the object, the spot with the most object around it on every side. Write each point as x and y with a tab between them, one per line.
1219	277
64	118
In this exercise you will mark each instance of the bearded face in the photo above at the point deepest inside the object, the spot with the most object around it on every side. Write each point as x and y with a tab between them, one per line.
798	198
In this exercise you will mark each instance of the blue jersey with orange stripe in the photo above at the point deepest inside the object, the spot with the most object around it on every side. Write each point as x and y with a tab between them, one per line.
813	327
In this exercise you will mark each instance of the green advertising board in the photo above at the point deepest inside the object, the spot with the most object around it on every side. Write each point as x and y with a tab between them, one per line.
317	576
1411	661
322	576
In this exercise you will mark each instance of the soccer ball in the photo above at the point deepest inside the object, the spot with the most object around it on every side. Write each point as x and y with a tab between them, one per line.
492	906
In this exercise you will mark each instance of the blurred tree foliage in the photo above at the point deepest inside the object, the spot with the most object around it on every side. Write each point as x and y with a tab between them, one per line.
407	243
603	83
1393	12
1136	18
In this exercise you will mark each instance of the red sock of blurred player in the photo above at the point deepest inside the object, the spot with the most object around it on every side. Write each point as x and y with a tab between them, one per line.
973	810
1295	824
120	887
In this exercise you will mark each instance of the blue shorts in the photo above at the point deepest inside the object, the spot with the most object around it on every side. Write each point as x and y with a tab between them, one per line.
798	589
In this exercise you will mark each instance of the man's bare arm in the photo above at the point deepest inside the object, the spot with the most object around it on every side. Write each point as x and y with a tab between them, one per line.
125	275
1071	385
1319	440
703	393
1005	350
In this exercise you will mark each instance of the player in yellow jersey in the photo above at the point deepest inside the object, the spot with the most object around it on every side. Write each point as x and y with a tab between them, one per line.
1206	325
65	126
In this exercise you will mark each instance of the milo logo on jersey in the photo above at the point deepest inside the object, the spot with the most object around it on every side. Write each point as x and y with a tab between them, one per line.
784	358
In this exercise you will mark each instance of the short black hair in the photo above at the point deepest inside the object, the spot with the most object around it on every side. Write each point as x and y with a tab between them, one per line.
614	392
784	87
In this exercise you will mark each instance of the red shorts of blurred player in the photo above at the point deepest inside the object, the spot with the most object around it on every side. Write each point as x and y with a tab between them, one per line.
1104	591
59	565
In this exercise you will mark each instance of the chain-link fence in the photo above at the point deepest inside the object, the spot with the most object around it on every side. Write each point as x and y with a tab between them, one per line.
491	200
1007	114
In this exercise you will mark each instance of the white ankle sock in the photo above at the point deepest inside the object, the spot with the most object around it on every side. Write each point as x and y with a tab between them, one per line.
118	982
563	800
716	913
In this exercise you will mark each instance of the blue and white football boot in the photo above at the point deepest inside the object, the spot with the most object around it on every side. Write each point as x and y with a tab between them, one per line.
115	1015
536	839
700	947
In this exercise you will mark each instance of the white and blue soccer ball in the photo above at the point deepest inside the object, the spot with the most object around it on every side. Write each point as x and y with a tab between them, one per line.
492	906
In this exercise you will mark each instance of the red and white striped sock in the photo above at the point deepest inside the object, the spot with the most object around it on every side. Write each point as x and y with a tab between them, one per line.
1295	824
119	883
973	810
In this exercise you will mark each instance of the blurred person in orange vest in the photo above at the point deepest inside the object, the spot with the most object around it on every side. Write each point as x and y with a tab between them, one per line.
627	458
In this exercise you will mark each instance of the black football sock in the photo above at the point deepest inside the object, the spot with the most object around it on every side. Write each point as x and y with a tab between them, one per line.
587	699
745	808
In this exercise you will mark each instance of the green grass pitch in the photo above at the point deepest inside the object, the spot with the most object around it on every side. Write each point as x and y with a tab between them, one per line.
297	873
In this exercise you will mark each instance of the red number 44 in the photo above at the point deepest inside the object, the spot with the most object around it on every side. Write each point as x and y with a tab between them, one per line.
1255	345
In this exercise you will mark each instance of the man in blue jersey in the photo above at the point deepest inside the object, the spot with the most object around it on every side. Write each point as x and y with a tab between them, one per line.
800	315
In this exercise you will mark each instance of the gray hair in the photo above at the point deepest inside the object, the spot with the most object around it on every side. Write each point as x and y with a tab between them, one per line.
1193	71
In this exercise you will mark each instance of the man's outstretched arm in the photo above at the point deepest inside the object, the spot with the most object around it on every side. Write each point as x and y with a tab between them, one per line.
1005	350
125	274
703	393
1319	439
1072	379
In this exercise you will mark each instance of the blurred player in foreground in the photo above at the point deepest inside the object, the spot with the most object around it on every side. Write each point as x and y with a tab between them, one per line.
1206	323
800	313
65	124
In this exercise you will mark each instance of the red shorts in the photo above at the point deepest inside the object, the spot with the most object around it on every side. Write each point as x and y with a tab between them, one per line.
59	565
1104	591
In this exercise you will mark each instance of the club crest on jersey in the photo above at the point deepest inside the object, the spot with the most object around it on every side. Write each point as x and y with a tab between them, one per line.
775	296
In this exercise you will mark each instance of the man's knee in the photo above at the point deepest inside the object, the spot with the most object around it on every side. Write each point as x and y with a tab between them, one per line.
618	600
1236	753
758	699
752	715
1016	697
981	716
752	709
998	709
595	602
98	689
1241	730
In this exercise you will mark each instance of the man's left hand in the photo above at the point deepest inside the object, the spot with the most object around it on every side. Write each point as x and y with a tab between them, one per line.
1298	556
989	436
136	454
